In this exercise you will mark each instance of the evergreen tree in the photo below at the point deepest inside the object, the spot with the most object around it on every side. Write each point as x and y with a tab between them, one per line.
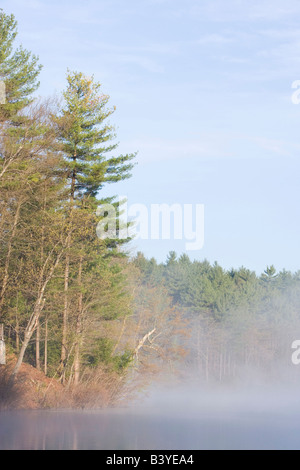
86	139
19	70
86	142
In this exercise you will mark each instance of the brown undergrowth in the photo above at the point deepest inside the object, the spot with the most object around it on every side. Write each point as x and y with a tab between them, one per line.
31	389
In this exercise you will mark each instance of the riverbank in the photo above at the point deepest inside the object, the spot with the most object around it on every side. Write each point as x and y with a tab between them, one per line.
33	390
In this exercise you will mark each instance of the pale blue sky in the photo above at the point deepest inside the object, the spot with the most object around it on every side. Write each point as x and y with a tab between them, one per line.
203	91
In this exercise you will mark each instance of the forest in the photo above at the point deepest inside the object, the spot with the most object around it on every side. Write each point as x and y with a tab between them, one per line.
85	311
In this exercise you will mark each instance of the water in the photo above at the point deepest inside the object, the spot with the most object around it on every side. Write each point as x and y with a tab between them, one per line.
183	420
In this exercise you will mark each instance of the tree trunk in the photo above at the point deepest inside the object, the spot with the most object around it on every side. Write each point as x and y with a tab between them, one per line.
46	348
8	256
37	346
17	335
77	353
28	333
64	344
78	328
64	347
39	305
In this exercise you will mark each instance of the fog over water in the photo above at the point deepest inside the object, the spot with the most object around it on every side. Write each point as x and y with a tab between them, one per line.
171	418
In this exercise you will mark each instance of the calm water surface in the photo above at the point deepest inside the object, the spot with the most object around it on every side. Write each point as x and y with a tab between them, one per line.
185	420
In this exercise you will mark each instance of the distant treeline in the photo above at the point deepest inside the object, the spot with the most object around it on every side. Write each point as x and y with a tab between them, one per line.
238	319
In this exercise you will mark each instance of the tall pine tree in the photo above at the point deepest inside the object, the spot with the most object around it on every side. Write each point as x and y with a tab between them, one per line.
87	144
19	70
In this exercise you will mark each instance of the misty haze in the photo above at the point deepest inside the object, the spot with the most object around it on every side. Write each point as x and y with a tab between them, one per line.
149	225
180	419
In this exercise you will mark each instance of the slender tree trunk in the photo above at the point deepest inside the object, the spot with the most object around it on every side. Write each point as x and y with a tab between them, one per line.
46	348
78	328
77	353
37	346
120	335
17	334
8	256
9	161
39	305
64	346
28	333
220	366
38	327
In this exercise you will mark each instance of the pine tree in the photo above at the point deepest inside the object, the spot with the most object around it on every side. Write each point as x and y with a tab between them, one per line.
86	139
86	142
19	70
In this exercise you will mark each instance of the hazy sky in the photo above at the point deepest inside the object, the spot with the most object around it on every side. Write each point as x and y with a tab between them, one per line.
203	90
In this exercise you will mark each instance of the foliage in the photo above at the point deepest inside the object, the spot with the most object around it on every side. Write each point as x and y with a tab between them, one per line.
77	305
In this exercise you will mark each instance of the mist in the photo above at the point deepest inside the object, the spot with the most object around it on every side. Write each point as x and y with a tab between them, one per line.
171	417
254	405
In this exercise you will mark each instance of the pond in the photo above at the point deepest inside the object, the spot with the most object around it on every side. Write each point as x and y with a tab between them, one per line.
186	419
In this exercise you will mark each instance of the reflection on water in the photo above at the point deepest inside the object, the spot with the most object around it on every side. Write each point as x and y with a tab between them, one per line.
186	420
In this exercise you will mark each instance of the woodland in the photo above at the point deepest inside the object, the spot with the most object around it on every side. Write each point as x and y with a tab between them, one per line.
84	311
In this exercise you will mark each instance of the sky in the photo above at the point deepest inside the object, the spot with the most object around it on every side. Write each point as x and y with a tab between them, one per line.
204	93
